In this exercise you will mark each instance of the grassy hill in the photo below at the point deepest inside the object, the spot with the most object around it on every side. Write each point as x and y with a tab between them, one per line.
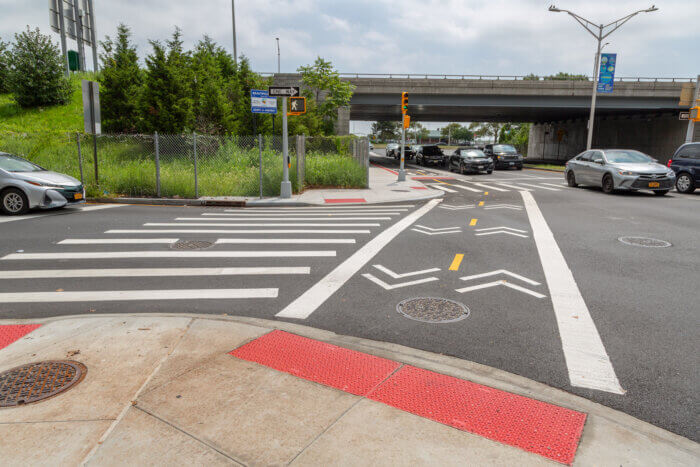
53	119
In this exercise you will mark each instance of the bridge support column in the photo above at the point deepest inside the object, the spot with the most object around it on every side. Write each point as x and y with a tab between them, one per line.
342	124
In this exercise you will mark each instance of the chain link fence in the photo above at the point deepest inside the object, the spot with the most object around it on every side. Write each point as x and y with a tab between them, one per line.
194	165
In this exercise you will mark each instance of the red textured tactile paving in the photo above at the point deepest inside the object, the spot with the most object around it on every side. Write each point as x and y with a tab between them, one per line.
350	371
382	167
13	332
535	426
427	177
346	200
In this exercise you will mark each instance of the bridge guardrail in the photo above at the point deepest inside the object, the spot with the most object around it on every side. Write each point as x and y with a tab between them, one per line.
497	77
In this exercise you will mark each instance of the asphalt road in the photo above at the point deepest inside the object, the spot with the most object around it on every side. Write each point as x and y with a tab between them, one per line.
638	306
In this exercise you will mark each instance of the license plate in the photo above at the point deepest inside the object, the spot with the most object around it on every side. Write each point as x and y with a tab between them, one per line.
511	163
78	196
653	184
481	166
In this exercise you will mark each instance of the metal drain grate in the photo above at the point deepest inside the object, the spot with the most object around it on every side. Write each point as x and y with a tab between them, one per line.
35	382
645	242
433	310
191	245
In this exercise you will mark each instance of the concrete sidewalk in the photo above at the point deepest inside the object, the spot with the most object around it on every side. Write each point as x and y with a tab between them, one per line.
165	390
383	188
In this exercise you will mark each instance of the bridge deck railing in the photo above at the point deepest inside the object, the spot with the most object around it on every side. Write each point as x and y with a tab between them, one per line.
500	77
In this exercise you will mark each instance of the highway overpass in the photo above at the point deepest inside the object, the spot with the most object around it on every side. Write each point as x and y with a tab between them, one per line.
641	113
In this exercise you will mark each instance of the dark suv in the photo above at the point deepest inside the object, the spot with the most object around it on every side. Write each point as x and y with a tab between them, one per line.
429	154
504	156
686	163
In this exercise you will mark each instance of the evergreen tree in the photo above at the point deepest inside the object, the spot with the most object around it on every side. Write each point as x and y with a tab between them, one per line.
4	67
239	93
166	100
120	83
36	74
213	111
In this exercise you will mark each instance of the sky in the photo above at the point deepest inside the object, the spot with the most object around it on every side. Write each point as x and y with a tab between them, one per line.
506	37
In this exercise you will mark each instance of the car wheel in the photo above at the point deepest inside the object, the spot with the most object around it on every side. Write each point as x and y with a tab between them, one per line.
489	171
14	202
461	169
661	192
685	183
520	167
608	184
571	179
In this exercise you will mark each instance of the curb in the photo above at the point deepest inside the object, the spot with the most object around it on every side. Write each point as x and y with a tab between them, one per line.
544	170
452	366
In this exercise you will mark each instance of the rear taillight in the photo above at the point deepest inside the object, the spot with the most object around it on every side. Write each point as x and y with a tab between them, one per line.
669	163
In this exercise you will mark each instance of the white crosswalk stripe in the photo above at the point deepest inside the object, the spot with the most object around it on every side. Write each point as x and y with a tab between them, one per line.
463	187
540	186
157	256
489	187
443	188
508	185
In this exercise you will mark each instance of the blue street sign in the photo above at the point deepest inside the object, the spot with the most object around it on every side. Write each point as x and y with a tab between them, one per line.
607	72
262	103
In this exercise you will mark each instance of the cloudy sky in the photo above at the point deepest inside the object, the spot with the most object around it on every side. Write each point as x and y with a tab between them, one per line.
509	37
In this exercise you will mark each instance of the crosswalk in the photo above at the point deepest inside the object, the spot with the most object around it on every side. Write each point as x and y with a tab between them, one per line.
230	254
514	181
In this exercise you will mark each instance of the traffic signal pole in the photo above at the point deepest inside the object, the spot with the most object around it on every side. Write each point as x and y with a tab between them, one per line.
404	111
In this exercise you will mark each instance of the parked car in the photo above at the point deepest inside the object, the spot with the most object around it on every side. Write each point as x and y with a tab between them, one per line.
24	185
391	148
371	146
504	156
470	160
396	152
429	154
619	169
686	165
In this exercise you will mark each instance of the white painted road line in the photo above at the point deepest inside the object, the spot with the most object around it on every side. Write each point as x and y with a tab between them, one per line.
442	188
517	188
114	295
323	208
168	254
502	227
220	219
109	241
539	186
296	215
467	188
67	210
285	241
586	359
386	286
489	187
274	224
232	231
497	283
394	275
97	207
315	296
497	272
152	272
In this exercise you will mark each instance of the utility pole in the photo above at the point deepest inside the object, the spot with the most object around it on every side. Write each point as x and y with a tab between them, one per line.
233	22
691	122
598	31
404	115
78	17
62	25
93	36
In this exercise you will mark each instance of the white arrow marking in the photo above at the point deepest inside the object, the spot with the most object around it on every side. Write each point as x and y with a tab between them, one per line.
501	227
436	233
386	286
436	230
394	275
516	208
457	208
501	232
496	284
500	271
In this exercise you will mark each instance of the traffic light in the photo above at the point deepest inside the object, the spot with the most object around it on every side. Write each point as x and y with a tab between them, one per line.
406	121
297	105
404	103
694	114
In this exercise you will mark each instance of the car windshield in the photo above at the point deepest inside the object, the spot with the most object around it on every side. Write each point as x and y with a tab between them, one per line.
430	150
17	164
473	153
619	156
504	148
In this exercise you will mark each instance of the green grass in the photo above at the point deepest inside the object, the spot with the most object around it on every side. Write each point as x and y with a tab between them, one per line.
556	168
54	119
225	168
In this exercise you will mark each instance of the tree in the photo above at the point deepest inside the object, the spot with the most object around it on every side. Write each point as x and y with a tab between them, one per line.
456	132
4	67
327	90
417	131
384	131
213	110
36	74
166	100
531	77
485	129
517	134
561	76
120	83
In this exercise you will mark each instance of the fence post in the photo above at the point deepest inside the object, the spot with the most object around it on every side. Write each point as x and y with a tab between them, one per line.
94	153
194	144
300	160
80	160
155	141
367	162
261	167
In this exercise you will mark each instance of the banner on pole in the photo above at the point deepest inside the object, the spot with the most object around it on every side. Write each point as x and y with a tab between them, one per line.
606	77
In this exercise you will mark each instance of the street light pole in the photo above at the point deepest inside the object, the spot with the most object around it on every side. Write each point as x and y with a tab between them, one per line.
599	32
233	22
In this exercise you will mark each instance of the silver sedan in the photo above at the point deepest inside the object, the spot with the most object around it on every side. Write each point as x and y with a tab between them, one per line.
24	185
619	169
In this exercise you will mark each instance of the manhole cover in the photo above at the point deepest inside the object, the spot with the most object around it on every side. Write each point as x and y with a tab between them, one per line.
645	242
35	382
432	310
191	245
